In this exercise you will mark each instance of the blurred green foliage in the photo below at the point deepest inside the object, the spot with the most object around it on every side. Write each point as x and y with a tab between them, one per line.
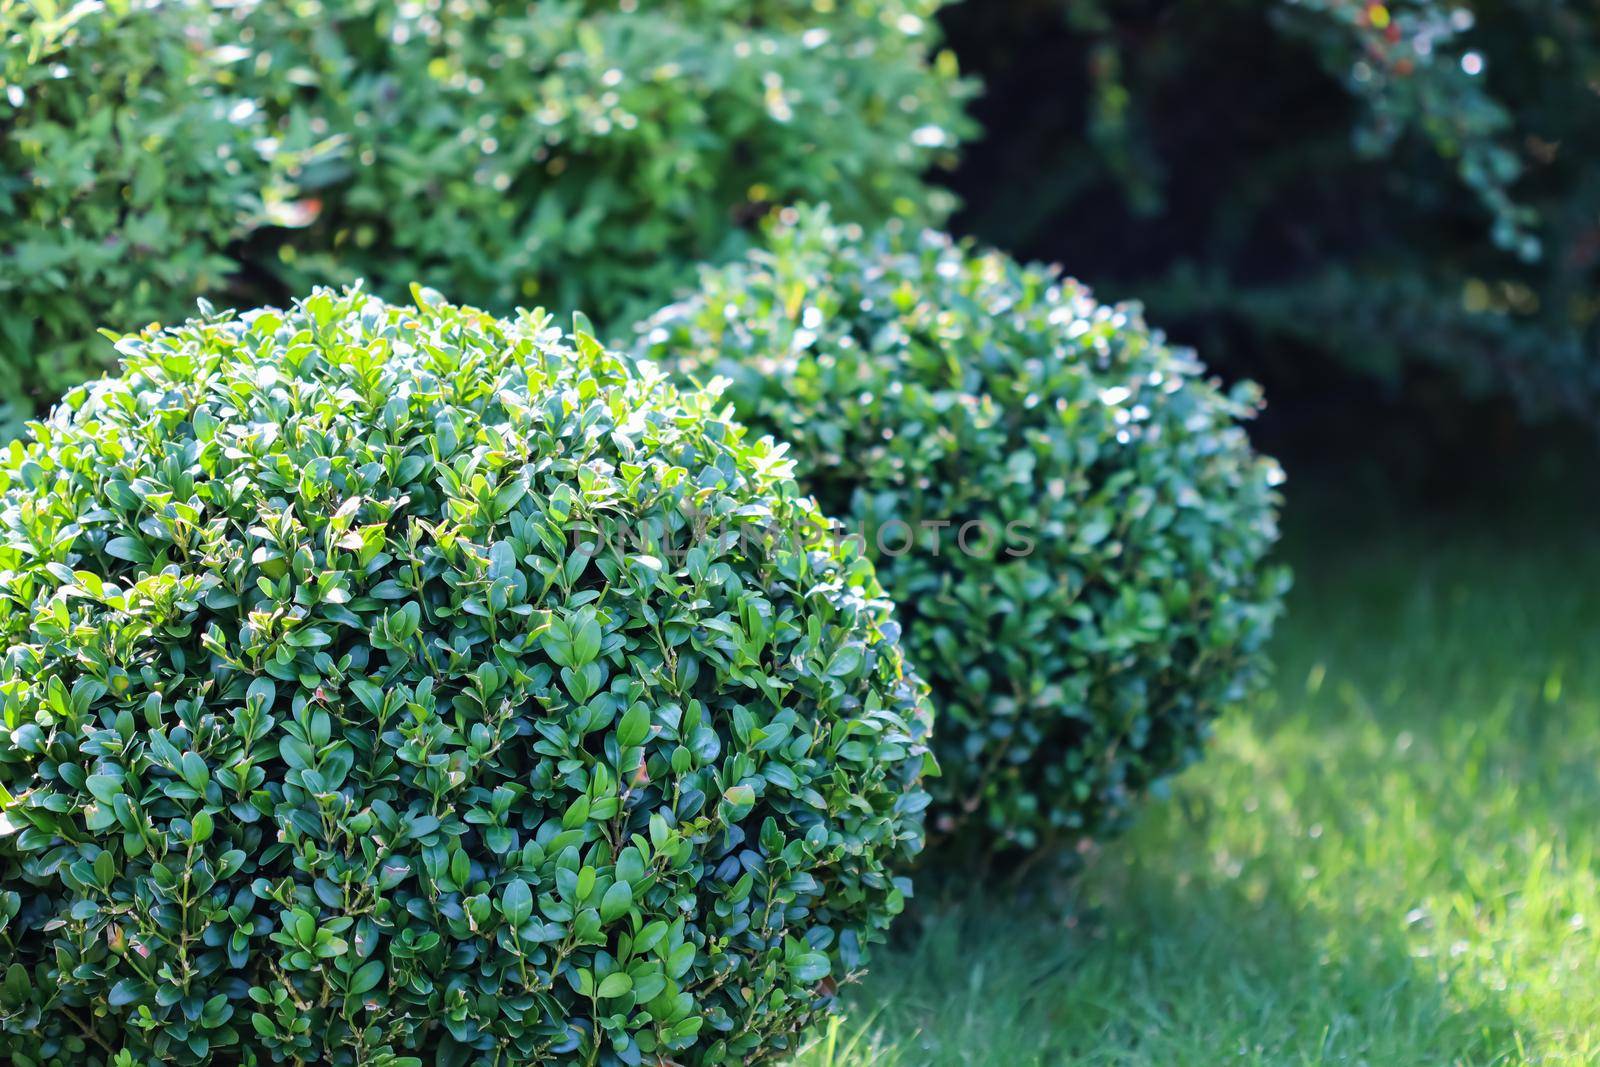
127	168
573	153
581	154
1301	184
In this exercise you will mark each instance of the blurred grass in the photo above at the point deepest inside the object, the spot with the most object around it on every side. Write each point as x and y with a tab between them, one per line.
1391	861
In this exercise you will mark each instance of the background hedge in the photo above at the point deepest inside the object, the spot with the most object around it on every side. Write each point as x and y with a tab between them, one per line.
582	154
128	168
575	155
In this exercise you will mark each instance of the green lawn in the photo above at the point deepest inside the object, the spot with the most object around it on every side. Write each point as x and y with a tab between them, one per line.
1391	861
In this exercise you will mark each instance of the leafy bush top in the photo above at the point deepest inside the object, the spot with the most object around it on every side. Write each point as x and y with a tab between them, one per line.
395	685
1067	513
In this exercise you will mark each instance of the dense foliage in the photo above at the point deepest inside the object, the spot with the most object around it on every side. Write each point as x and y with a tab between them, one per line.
572	154
398	686
126	169
1068	514
1381	186
580	154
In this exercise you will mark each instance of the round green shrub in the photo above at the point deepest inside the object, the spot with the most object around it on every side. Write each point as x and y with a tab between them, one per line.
1068	514
127	166
397	686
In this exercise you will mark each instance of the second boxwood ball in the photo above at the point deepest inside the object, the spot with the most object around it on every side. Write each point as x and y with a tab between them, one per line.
1066	510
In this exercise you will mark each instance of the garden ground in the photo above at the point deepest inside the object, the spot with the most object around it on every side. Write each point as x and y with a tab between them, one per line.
1393	860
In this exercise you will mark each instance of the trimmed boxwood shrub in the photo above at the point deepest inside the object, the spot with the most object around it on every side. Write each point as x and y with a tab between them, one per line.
397	686
567	154
1067	512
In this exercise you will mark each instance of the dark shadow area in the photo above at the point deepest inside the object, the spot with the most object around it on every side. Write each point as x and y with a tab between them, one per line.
1206	159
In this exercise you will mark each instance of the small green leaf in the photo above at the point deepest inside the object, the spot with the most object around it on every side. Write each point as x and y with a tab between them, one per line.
366	978
134	551
516	904
809	967
105	787
614	985
634	726
194	771
576	815
616	902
